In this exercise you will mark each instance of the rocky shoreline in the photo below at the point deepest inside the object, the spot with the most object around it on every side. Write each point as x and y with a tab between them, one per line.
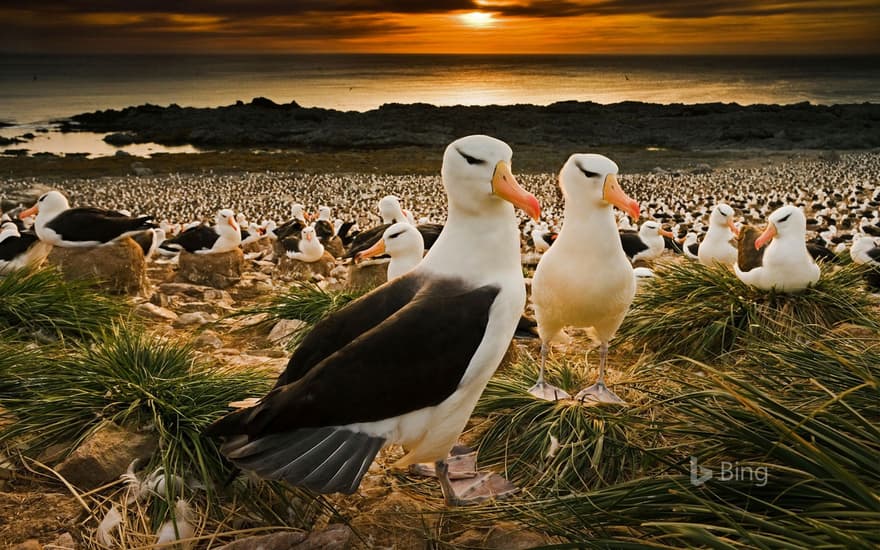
709	126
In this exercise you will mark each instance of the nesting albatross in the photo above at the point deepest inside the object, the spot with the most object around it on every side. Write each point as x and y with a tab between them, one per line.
407	362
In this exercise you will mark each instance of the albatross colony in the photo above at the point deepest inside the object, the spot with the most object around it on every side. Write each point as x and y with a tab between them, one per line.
401	379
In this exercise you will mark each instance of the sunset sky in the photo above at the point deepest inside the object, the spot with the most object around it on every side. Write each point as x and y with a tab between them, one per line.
441	26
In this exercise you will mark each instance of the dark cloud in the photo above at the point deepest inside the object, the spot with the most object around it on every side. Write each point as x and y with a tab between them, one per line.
685	9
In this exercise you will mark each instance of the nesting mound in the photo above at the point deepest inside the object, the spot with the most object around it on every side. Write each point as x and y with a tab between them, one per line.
701	312
221	270
119	266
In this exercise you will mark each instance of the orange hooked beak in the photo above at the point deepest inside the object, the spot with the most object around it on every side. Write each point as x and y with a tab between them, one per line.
612	193
666	233
766	236
232	224
32	211
505	186
732	227
376	250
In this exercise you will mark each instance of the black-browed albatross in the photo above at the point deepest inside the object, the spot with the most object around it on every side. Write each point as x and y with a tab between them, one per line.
407	362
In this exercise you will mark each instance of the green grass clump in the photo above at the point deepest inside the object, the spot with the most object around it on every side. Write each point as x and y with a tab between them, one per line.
137	381
306	302
820	486
701	312
560	447
41	301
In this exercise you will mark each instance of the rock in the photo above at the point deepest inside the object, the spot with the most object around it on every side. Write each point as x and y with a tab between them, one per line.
104	455
333	537
221	270
207	307
118	267
368	275
208	339
184	289
161	300
195	318
148	310
140	170
65	540
121	153
284	330
122	138
30	544
305	270
22	197
702	168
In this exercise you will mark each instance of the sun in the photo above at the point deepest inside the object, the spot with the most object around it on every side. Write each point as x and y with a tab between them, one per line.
477	19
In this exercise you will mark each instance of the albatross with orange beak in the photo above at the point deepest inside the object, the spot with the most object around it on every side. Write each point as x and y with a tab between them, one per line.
202	239
406	362
786	265
585	279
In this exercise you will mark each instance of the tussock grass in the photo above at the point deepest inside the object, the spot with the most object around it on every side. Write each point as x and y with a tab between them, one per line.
801	409
701	312
561	447
42	302
133	380
306	302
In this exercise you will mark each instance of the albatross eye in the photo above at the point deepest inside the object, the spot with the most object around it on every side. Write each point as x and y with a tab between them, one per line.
470	159
589	174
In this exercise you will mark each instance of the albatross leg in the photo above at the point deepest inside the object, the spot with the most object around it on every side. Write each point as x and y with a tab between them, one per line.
599	392
543	390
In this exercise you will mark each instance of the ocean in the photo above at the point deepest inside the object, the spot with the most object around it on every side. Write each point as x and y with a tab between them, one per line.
36	89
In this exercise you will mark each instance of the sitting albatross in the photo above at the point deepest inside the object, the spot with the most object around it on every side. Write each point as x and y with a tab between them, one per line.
786	265
585	278
403	242
406	362
60	225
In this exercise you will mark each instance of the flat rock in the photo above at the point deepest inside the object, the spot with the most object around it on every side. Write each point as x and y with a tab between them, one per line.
194	318
221	270
118	267
184	289
208	339
284	330
148	310
104	456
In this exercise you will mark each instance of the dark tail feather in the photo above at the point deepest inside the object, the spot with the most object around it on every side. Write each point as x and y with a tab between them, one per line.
325	460
143	222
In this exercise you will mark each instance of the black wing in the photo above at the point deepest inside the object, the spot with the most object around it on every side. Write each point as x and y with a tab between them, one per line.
413	359
290	244
343	233
144	239
95	224
430	232
289	228
632	243
819	252
324	230
365	239
12	247
200	237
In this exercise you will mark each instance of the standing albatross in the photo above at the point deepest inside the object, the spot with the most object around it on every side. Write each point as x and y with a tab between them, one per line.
585	279
407	362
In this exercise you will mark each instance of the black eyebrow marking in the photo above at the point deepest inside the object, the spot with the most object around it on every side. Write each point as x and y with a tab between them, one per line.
470	159
780	220
587	172
399	233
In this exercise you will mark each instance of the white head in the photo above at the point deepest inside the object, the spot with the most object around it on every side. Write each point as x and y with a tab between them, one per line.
297	211
8	229
47	206
786	222
589	181
226	222
389	209
651	229
478	181
723	215
308	234
324	213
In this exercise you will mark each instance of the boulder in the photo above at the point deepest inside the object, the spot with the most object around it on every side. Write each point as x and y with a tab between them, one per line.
221	270
118	267
296	269
104	455
148	310
208	339
194	318
284	330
